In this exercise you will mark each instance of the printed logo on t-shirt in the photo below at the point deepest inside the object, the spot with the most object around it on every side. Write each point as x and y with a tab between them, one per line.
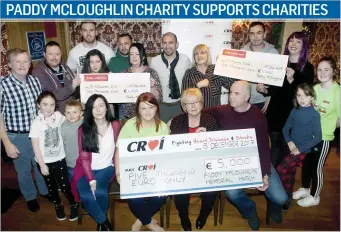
81	60
320	108
52	141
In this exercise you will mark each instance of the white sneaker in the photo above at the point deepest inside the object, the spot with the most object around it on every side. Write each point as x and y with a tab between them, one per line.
309	201
300	193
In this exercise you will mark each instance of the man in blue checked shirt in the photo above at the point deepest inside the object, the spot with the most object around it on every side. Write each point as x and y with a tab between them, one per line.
19	92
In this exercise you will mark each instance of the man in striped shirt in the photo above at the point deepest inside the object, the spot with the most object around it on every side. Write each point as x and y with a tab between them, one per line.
18	109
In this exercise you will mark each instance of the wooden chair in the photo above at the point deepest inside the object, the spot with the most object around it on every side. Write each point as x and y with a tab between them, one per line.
215	208
250	192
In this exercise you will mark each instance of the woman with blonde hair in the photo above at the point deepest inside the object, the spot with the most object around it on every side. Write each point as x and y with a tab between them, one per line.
193	121
201	76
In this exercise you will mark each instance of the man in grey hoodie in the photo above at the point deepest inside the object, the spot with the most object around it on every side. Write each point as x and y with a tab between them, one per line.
55	76
257	43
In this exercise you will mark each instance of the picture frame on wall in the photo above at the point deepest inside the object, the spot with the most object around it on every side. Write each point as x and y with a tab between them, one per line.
36	41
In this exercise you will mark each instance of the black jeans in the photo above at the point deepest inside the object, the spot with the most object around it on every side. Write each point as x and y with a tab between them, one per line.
58	174
207	203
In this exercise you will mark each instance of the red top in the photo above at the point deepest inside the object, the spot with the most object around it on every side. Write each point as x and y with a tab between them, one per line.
83	164
192	130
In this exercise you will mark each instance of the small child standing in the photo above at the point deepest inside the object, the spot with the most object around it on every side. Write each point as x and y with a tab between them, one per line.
302	131
69	131
49	153
328	105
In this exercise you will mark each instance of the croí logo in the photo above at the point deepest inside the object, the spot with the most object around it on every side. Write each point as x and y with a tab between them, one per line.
148	167
227	42
146	145
227	30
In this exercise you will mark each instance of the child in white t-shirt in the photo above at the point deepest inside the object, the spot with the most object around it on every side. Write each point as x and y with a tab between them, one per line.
49	153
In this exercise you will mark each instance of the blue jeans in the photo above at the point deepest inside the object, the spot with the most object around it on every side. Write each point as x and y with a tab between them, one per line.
145	209
23	166
98	207
247	207
70	173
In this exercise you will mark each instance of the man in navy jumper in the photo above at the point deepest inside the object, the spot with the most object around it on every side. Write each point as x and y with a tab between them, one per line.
240	114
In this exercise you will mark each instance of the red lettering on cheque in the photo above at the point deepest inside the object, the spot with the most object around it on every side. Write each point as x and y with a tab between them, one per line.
96	77
234	53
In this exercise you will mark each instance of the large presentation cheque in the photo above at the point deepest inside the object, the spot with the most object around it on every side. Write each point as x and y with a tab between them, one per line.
115	87
251	66
189	163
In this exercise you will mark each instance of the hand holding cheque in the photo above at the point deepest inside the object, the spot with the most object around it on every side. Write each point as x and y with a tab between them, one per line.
187	163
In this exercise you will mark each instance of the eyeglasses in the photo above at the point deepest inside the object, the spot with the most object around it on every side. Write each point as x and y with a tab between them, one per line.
191	103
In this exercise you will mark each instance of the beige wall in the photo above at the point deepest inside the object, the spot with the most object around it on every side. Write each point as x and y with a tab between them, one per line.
289	27
16	32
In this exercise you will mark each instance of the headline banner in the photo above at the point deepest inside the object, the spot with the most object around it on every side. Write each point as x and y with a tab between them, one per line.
303	9
189	163
115	87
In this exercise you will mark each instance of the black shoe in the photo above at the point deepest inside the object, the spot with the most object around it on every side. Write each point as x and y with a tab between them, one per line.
33	205
186	225
287	205
105	226
60	212
199	224
253	221
73	212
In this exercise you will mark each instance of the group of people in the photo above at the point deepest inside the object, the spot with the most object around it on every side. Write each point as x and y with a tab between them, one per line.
75	147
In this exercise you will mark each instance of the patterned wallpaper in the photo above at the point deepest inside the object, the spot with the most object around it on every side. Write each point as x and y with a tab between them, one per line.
149	33
240	35
326	37
146	32
326	43
3	49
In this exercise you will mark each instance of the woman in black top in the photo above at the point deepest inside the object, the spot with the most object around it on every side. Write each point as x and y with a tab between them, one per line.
193	121
299	71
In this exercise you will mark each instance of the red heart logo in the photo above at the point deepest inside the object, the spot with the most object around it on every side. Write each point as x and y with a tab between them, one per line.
153	144
150	167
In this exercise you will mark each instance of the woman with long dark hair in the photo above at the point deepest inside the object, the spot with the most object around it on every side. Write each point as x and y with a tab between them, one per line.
94	62
94	169
139	64
299	71
146	123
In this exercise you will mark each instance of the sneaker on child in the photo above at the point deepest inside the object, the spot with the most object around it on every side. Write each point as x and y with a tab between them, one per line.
300	193
60	212
309	201
73	212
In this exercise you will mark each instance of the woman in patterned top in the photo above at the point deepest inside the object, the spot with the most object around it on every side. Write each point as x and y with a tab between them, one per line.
201	76
193	121
139	64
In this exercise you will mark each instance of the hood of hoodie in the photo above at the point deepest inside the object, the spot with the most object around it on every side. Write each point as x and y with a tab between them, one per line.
268	48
